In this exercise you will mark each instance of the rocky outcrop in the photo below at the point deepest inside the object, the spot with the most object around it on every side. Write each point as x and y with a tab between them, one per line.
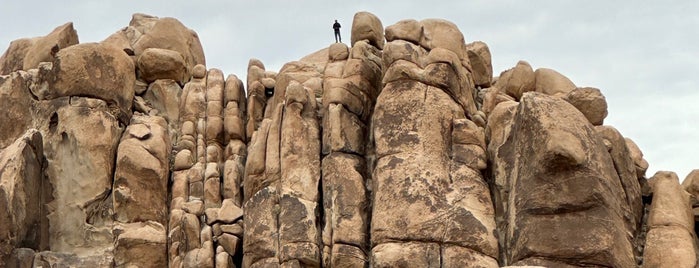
565	203
399	149
431	202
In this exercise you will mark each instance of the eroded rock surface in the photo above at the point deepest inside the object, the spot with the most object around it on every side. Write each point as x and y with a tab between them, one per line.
398	150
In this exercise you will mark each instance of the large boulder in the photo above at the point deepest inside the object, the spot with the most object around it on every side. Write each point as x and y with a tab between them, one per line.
366	26
21	181
518	80
17	107
44	49
13	58
158	63
167	33
566	204
92	70
142	168
430	202
142	244
671	241
553	83
481	63
590	102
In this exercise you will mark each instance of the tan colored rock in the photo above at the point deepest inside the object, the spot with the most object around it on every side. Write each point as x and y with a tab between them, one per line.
44	49
590	102
413	174
17	106
142	244
671	238
22	194
158	63
518	80
21	258
164	96
637	156
338	51
552	83
409	30
199	71
167	33
142	169
626	171
80	147
481	63
439	33
366	26
566	204
91	70
691	183
260	241
60	259
13	58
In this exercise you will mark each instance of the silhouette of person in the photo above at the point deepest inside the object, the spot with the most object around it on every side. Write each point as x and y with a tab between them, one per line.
336	27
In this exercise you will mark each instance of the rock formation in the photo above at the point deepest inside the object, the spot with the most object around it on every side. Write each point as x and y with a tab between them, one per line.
399	149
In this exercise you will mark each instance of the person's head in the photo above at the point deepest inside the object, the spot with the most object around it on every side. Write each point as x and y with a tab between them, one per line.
335	20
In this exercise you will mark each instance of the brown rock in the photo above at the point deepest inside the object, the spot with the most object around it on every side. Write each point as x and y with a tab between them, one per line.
518	80
167	33
142	169
80	147
92	70
366	26
415	176
637	156
691	183
164	96
59	259
481	65
21	182
44	49
338	52
229	242
142	244
590	102
408	30
671	238
552	83
158	63
17	106
13	58
568	205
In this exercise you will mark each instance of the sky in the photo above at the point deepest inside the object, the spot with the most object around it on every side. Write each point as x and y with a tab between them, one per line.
643	55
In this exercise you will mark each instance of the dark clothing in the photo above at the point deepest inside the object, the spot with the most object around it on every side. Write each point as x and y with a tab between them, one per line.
336	27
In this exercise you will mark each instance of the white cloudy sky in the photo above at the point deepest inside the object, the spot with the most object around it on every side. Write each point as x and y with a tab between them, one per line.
643	55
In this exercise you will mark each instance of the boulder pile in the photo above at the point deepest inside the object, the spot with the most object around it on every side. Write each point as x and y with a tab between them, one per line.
399	149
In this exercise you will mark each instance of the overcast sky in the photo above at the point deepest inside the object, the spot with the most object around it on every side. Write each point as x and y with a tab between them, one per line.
643	55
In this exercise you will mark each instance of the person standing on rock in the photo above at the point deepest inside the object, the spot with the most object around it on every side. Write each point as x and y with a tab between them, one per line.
336	27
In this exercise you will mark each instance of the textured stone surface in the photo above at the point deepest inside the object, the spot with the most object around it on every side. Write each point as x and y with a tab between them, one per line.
563	184
671	240
403	152
21	184
43	49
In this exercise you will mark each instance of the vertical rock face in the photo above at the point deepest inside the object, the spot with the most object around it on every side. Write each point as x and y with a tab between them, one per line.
397	150
671	240
429	195
565	198
21	183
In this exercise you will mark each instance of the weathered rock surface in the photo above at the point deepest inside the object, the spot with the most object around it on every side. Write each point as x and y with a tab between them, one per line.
21	195
399	150
671	241
27	53
429	195
562	183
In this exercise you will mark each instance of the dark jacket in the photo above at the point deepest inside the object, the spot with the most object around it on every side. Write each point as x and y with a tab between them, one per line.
336	26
